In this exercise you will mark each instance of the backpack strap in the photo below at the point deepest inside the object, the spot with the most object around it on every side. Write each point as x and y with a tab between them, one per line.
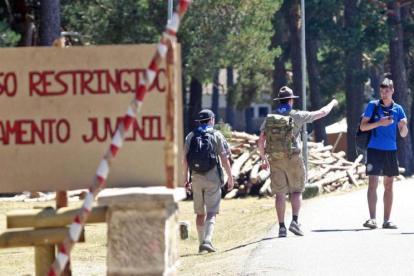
375	112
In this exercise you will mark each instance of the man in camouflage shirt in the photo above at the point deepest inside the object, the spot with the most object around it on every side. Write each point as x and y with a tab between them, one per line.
288	173
206	187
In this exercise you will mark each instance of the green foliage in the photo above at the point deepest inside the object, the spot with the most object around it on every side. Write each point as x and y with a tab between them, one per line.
115	21
8	38
224	128
227	33
213	34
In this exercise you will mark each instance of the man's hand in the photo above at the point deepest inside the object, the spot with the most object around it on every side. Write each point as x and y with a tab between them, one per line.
265	164
334	102
385	121
402	123
230	184
188	187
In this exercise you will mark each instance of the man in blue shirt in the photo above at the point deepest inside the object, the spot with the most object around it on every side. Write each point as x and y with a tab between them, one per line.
382	150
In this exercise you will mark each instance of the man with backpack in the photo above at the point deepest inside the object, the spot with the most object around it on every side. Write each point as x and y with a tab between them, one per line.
205	150
382	149
280	140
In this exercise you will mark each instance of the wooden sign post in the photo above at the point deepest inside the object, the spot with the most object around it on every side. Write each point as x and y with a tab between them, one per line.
59	109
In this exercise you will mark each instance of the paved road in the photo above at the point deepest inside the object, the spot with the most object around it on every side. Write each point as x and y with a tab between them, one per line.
336	243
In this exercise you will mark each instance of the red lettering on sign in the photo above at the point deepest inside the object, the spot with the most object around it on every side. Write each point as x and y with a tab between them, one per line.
81	82
29	132
149	130
8	84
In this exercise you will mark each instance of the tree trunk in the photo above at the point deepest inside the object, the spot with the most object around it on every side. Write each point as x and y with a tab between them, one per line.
49	29
314	87
184	104
295	50
375	81
408	47
248	114
196	95
279	71
23	23
398	72
230	97
354	85
215	99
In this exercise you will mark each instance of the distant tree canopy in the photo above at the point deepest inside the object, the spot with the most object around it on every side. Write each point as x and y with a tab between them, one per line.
351	46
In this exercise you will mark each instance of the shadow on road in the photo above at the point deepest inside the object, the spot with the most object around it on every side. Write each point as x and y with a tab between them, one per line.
340	230
244	245
234	248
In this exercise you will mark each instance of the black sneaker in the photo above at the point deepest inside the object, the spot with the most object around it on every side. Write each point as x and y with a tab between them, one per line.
295	228
370	224
282	232
201	250
208	246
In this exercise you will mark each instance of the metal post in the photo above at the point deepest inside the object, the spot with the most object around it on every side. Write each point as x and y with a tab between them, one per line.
170	9
305	134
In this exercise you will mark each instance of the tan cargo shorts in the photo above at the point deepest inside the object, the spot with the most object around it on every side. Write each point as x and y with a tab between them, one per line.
288	175
206	195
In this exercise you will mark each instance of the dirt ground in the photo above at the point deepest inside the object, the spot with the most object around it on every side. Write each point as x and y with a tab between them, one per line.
88	258
240	225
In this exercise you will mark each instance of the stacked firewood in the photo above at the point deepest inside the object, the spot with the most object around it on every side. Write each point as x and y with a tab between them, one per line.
327	170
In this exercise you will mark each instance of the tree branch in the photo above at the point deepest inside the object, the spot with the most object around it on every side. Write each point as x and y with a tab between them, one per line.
376	3
9	10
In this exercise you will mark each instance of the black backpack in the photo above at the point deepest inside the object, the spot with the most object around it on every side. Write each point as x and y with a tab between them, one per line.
201	156
362	137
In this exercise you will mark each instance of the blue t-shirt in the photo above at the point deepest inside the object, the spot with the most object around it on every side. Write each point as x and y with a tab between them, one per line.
386	138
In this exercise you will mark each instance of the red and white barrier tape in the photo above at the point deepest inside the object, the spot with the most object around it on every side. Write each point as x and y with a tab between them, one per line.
117	140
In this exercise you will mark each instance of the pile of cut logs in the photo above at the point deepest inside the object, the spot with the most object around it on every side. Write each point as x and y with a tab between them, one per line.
327	170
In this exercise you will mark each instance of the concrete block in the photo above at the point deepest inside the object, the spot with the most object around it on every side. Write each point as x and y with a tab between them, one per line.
311	191
185	229
143	231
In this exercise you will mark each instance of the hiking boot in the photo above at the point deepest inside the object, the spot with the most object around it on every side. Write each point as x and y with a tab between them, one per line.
282	232
295	228
370	224
389	225
208	246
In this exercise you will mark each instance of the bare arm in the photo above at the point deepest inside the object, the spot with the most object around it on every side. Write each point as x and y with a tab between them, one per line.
260	143
185	171
226	164
402	126
325	110
365	125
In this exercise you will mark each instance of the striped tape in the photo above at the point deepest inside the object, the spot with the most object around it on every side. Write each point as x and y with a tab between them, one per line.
102	172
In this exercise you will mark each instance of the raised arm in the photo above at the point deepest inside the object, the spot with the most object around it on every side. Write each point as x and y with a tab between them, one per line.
325	110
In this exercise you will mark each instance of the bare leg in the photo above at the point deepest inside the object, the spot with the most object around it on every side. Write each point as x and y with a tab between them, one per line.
280	207
388	196
200	222
296	202
372	195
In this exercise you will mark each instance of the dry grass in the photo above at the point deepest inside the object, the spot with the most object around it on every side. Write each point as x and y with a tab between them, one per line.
88	258
240	225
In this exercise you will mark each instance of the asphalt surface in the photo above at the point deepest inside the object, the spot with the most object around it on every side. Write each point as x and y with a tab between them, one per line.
336	243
